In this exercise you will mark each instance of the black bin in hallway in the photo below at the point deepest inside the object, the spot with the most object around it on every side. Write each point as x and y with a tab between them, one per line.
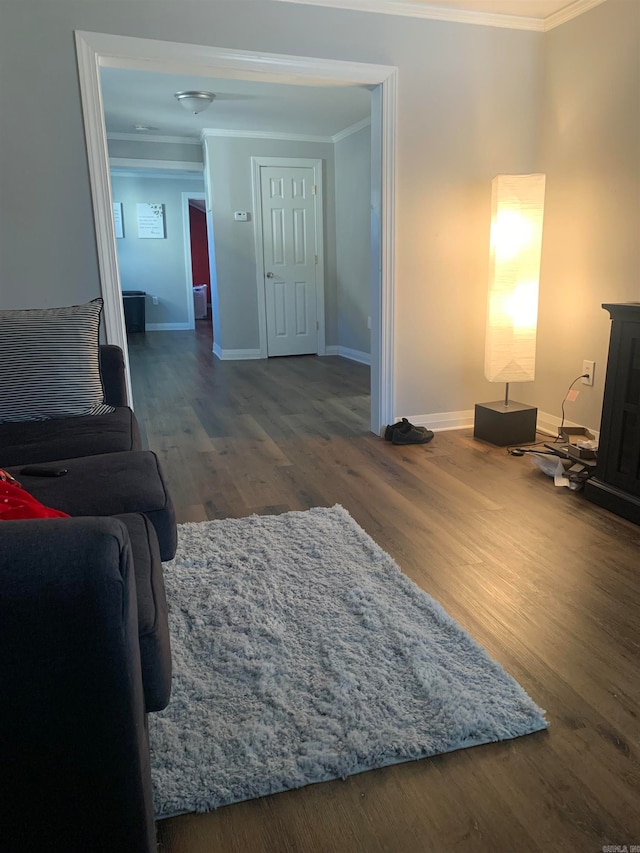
134	310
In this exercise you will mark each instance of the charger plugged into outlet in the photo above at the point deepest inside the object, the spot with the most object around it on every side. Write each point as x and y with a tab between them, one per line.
588	369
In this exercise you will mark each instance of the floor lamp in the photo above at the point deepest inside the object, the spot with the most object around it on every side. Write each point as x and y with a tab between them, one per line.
517	203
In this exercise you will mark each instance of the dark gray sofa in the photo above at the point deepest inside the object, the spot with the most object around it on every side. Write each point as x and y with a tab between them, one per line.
33	442
84	639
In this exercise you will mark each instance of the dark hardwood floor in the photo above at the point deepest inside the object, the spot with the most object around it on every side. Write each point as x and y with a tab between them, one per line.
547	582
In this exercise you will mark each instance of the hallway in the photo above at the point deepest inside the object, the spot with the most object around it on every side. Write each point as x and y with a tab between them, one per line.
236	437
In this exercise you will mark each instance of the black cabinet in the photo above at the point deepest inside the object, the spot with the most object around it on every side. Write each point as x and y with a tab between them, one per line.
615	484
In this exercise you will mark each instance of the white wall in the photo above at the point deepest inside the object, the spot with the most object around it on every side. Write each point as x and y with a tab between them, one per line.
153	265
353	239
468	108
590	151
229	162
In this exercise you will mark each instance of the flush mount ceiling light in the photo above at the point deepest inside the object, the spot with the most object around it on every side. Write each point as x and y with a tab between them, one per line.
194	102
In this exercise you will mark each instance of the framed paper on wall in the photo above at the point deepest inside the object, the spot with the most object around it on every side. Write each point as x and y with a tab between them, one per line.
151	221
117	219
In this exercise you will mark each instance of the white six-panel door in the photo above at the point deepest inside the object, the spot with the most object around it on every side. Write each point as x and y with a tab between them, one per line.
290	261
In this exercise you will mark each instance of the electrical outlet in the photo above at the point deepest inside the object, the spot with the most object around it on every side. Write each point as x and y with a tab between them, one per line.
154	300
588	367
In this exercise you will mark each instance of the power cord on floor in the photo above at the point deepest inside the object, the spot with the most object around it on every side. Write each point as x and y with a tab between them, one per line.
521	449
582	376
528	448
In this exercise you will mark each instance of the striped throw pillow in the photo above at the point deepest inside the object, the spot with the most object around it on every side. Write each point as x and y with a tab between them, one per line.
49	363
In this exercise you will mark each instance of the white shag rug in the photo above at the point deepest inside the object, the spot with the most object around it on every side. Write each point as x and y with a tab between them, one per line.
301	653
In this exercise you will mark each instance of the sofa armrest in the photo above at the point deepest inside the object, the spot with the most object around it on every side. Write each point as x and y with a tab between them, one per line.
74	755
113	375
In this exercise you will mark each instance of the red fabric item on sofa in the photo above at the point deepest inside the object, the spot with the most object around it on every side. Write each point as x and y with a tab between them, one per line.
17	504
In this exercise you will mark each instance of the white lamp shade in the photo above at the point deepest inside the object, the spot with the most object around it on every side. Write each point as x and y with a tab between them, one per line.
517	204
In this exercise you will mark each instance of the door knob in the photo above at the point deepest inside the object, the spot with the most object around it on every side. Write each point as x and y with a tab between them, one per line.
269	275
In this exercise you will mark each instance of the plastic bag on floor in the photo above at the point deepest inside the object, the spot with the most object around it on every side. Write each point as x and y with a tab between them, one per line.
552	466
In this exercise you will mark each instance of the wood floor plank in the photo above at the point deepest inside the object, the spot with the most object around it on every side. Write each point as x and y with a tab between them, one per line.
548	583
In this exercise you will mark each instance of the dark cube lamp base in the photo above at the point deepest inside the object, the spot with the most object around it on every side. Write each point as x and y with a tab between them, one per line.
503	425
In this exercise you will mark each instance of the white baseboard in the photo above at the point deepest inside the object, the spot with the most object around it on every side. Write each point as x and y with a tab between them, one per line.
168	327
550	424
441	421
235	354
246	354
347	352
354	355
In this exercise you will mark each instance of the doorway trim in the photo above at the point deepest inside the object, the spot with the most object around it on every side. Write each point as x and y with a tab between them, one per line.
316	165
95	50
188	260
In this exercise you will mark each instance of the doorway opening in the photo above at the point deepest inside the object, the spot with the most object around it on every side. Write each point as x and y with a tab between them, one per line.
198	267
95	50
154	264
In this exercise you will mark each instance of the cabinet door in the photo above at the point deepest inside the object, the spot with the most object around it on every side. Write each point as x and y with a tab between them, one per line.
622	467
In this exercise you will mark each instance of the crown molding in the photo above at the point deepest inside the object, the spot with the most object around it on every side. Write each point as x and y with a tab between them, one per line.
147	137
572	11
247	134
409	8
353	128
262	134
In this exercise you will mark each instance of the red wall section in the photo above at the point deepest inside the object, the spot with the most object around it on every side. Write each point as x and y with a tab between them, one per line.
199	248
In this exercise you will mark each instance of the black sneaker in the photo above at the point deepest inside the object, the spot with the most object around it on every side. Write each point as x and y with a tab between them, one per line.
407	433
404	424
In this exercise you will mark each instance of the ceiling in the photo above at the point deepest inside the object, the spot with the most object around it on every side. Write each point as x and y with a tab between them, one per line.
147	98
